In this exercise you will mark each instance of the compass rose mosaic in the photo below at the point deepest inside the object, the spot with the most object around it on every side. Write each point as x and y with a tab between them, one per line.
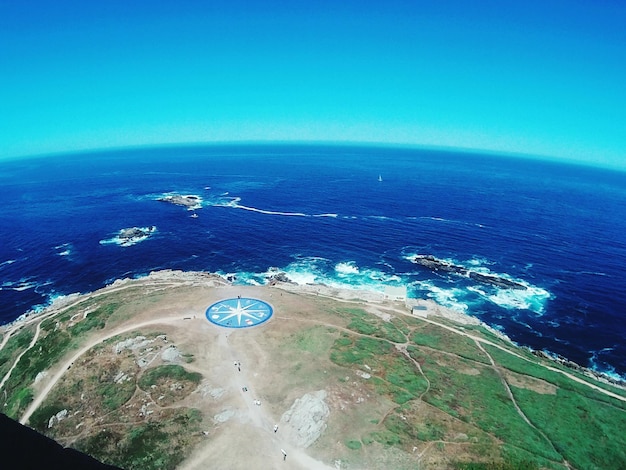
239	313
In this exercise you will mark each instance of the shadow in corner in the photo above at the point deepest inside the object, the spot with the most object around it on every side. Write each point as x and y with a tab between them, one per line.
26	449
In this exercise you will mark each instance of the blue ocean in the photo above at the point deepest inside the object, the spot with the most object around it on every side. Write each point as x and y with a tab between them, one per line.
347	216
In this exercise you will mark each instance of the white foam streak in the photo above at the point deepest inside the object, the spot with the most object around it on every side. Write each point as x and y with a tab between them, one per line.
262	211
234	203
7	262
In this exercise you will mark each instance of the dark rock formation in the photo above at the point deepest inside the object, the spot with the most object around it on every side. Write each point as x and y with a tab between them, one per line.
434	264
128	234
496	281
278	277
181	200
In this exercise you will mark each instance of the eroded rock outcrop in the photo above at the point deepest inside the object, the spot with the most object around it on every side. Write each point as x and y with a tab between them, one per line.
307	417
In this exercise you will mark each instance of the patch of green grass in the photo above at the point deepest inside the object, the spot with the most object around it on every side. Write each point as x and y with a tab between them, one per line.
49	324
438	338
359	351
589	434
170	371
353	445
393	374
158	445
344	341
525	367
370	325
430	432
46	352
40	417
18	401
389	331
363	326
427	339
188	358
480	400
314	340
115	395
402	373
504	465
96	319
14	346
386	437
516	457
533	369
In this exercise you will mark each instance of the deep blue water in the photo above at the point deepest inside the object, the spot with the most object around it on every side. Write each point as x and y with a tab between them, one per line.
321	215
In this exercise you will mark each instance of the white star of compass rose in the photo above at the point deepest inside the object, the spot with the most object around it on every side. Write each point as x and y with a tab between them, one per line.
239	313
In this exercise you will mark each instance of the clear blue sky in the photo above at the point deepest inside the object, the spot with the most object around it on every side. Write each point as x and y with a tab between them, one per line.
537	77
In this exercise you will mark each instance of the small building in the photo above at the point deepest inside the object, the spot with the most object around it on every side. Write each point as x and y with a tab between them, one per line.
420	311
395	293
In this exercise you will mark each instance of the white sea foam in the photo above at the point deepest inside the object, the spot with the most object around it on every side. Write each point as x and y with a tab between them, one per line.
532	298
234	202
449	298
317	270
346	268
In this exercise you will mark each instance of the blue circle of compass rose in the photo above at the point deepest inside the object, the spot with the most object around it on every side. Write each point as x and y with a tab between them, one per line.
239	312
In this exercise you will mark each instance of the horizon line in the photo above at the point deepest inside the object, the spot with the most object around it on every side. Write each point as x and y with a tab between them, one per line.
320	143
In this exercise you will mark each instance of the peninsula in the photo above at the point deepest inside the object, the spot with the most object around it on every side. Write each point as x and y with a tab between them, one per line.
137	375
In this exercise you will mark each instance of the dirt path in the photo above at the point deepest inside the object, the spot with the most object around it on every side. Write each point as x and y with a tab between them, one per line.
63	367
252	428
258	417
32	343
509	393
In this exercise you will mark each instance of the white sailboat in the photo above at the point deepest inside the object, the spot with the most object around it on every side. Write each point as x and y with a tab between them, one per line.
380	178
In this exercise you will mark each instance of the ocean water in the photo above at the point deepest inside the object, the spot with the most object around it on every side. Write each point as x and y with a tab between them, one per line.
320	214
